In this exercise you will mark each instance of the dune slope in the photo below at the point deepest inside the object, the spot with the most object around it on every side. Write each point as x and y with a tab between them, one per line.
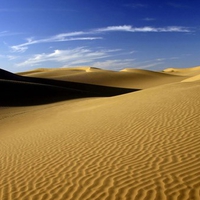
19	90
127	78
141	145
192	71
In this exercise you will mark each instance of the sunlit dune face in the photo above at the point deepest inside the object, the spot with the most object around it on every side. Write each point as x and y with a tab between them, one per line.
137	144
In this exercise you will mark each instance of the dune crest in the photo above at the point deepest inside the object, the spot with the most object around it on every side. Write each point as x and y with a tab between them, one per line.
184	71
62	69
126	78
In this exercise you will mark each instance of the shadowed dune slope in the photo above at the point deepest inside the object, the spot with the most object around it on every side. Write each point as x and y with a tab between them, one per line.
17	93
19	90
127	78
137	146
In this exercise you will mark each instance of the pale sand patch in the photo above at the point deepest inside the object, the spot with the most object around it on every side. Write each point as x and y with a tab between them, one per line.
142	145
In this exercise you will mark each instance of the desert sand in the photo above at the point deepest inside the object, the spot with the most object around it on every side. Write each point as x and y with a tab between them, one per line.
85	133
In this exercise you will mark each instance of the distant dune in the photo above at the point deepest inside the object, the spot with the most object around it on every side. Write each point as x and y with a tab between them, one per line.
184	71
127	78
97	141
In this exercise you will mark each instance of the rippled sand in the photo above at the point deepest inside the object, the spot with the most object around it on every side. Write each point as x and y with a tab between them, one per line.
139	145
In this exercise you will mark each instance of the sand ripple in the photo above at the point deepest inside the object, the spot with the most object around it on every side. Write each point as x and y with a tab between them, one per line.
142	146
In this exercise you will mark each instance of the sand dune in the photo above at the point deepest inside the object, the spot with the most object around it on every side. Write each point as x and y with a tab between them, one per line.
56	71
141	145
127	78
192	71
193	78
20	90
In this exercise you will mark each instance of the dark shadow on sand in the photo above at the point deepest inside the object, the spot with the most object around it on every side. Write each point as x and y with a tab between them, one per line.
18	90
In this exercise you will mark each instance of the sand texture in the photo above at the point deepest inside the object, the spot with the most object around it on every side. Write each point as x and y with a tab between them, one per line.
122	144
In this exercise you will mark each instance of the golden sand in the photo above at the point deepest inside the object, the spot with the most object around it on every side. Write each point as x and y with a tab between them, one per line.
128	78
142	145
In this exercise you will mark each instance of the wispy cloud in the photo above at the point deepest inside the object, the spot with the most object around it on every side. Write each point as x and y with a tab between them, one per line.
115	64
11	57
177	5
160	59
101	58
157	62
91	34
64	37
146	66
149	19
2	33
77	56
8	57
36	10
129	28
136	5
8	33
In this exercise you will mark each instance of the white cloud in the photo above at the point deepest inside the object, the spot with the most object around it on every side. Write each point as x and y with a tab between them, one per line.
75	36
57	38
19	48
72	57
117	64
129	28
114	28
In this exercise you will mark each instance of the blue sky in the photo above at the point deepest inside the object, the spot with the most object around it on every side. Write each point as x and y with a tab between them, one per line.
111	35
